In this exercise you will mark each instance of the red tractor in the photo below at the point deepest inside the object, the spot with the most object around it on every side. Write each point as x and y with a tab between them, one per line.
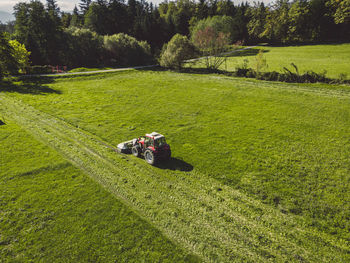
153	146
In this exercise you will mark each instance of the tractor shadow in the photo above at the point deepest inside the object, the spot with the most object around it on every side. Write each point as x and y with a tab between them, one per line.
34	86
175	164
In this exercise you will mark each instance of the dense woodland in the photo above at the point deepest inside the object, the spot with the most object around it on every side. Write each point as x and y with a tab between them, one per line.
77	39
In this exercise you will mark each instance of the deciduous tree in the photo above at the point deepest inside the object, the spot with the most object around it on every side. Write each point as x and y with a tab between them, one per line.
176	51
20	55
8	63
212	43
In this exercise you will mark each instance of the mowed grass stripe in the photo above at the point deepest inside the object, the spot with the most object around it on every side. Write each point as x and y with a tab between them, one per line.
52	212
84	158
217	225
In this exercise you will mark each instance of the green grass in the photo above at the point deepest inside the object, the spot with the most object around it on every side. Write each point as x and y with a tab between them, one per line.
259	142
318	58
51	212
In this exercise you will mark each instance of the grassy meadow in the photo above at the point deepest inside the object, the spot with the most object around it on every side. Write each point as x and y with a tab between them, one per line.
334	59
52	212
260	170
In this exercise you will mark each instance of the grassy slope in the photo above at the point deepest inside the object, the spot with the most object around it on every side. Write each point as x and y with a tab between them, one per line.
249	134
50	211
206	217
332	58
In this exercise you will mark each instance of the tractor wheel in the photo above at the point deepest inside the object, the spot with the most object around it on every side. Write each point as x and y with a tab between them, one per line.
150	157
136	151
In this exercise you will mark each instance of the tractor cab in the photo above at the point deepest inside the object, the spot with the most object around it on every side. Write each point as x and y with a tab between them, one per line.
153	141
153	146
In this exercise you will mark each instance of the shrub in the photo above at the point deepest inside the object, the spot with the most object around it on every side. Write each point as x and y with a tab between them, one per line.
260	62
176	51
124	50
287	75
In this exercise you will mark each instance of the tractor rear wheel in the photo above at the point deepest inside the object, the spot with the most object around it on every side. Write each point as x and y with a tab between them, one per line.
150	157
136	151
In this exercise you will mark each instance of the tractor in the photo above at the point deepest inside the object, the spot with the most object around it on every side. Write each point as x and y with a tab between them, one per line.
152	146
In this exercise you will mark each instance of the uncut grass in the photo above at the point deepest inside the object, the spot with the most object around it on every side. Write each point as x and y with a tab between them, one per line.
209	219
51	212
284	144
334	59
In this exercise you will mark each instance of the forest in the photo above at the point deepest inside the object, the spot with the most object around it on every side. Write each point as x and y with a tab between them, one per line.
80	38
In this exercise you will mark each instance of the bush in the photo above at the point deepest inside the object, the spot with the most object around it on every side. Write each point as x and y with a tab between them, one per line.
287	76
124	50
176	51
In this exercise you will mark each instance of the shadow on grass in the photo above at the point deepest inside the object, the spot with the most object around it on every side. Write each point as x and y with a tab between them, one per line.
246	52
188	70
35	86
175	164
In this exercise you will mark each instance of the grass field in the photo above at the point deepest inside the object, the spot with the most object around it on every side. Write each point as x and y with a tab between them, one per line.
318	58
51	212
260	170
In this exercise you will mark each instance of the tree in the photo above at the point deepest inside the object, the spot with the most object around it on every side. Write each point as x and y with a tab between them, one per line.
8	63
95	18
117	18
299	17
211	36
226	8
76	20
124	50
8	27
54	32
224	24
84	5
21	55
83	47
212	43
176	51
277	22
66	19
257	20
341	10
31	29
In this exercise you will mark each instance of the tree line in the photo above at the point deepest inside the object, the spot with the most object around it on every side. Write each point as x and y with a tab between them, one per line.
81	38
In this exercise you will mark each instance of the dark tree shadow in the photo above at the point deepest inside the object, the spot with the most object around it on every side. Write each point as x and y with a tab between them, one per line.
175	164
189	70
246	52
34	85
154	68
2	123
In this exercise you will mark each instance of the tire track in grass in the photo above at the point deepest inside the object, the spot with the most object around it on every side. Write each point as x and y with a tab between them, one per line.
214	221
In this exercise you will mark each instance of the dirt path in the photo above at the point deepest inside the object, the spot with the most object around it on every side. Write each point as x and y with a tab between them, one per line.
211	220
